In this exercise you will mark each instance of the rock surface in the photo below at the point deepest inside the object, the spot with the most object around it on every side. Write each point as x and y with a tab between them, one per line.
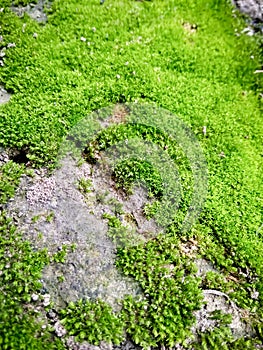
52	213
252	8
35	11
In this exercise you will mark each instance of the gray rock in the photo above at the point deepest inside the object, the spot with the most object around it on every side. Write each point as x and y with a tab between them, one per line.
252	8
35	11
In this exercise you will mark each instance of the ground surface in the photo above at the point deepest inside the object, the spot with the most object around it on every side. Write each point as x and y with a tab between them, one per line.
92	235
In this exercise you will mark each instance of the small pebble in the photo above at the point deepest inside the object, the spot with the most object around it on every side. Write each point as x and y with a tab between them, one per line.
46	300
34	297
9	45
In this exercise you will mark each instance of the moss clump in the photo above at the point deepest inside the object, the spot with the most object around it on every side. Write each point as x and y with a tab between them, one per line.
171	291
10	174
93	322
20	272
182	55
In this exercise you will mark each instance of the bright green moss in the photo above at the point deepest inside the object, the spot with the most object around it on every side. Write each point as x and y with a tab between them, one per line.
9	179
19	278
165	315
145	51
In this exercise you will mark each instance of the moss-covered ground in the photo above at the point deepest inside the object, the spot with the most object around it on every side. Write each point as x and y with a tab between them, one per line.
189	57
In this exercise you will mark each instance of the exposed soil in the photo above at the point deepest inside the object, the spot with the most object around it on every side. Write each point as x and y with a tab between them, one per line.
52	213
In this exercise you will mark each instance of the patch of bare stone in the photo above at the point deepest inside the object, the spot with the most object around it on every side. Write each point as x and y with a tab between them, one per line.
35	10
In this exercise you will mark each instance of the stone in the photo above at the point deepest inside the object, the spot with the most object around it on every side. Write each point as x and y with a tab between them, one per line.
252	8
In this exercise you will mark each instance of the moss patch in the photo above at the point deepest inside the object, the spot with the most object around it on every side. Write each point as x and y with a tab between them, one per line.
185	57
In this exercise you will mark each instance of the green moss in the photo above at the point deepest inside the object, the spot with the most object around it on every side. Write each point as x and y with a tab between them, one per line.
23	2
50	216
135	165
84	186
10	174
145	51
128	172
221	338
93	322
19	278
121	235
